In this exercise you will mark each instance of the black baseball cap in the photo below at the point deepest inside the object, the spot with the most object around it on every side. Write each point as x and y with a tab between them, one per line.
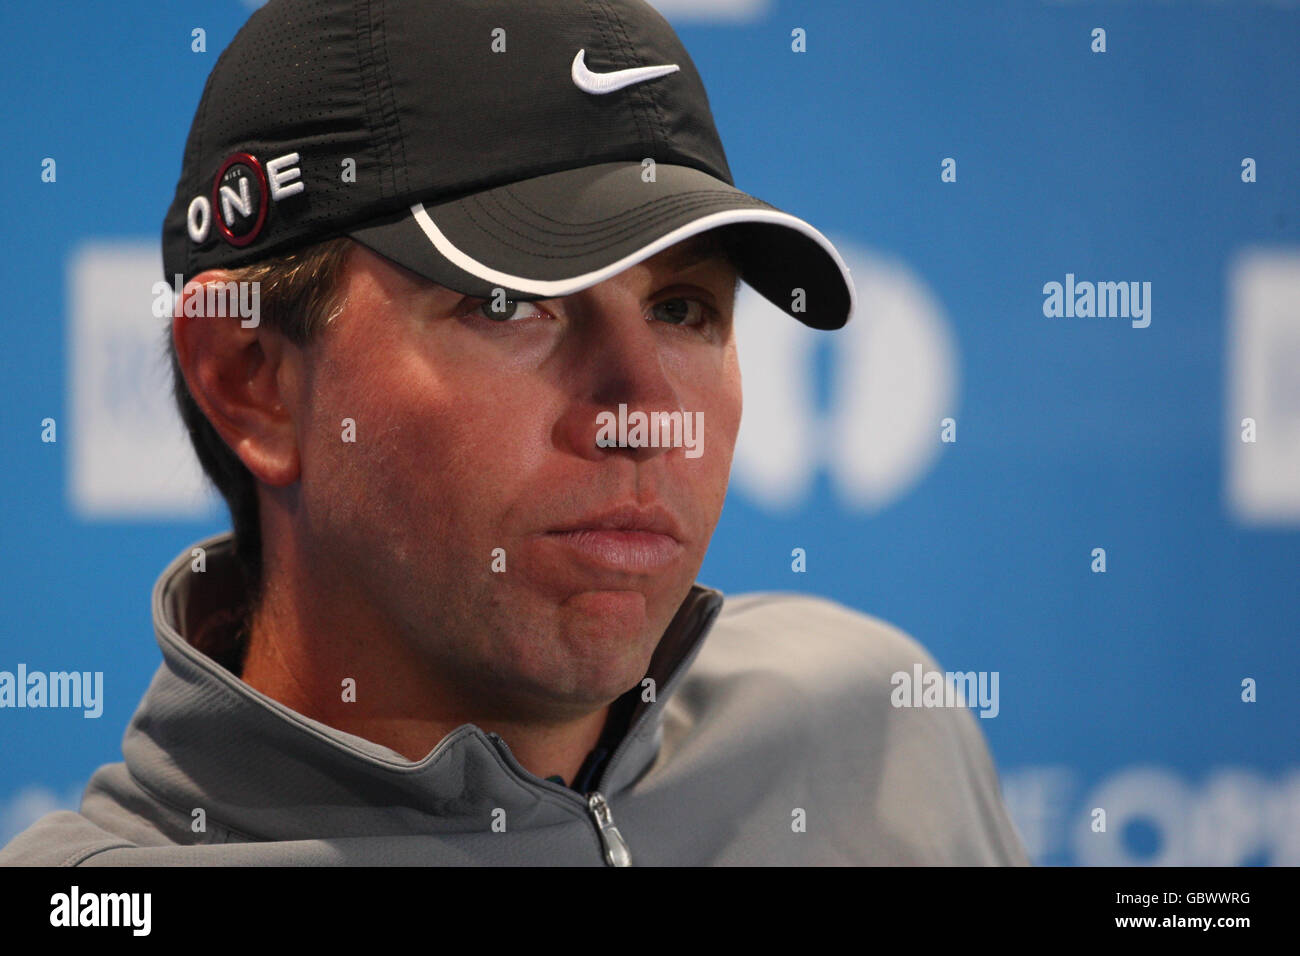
533	147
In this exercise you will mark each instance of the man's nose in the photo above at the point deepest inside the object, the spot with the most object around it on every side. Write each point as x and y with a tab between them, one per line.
619	368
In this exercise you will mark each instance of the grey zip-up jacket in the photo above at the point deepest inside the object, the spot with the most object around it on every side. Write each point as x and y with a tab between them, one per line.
773	742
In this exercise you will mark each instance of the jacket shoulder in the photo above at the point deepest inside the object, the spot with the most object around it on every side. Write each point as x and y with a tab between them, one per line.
810	683
819	632
115	814
62	838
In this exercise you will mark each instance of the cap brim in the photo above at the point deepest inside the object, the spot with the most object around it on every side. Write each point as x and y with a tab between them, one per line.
558	234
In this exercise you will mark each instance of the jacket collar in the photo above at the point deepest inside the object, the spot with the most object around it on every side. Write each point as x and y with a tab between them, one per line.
201	737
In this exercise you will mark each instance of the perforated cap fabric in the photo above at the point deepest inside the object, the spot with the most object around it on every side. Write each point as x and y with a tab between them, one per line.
536	148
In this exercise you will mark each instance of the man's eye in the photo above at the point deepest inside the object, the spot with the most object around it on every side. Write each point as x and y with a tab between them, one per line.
503	310
681	312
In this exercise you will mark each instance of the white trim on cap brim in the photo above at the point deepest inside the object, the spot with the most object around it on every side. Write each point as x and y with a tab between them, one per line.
553	288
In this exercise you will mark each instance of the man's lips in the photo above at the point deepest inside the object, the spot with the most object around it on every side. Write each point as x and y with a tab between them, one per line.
628	538
654	519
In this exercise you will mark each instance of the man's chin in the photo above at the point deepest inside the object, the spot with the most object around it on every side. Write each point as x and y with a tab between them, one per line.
594	641
626	607
612	633
606	624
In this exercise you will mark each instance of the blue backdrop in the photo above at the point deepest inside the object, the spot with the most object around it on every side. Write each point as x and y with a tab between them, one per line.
956	461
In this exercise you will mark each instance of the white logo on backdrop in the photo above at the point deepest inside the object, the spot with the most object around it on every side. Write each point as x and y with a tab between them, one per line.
129	457
1263	367
733	11
1156	816
893	371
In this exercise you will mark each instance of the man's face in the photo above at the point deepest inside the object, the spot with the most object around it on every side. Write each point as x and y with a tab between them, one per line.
476	430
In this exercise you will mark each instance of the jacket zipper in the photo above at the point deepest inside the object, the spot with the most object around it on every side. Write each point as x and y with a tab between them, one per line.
616	851
611	841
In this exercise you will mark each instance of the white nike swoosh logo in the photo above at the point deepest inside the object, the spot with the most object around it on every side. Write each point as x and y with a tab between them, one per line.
601	83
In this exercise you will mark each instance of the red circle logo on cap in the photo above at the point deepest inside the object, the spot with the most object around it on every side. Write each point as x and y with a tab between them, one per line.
240	197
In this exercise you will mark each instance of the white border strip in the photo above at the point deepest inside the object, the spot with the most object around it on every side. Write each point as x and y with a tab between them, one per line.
553	288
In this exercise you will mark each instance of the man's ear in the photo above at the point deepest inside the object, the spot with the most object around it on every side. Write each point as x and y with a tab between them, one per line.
242	375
